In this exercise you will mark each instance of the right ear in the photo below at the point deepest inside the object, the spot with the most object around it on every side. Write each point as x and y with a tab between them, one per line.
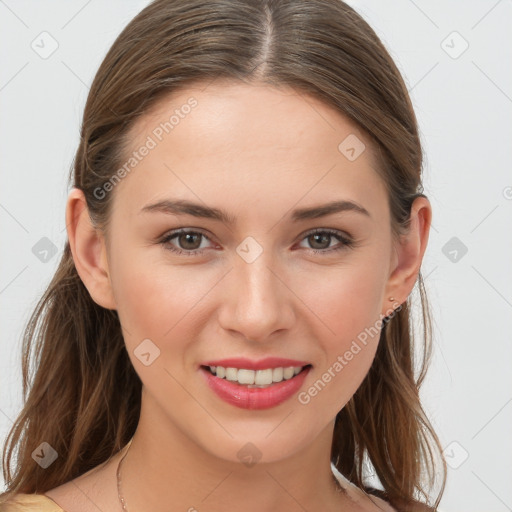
87	245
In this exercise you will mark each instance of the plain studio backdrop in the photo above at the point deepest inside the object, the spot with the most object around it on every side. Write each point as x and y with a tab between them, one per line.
456	58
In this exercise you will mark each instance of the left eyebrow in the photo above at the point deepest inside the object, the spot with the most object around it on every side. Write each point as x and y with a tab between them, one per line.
183	206
328	209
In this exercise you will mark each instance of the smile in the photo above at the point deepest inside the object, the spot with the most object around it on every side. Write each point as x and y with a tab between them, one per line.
256	378
263	385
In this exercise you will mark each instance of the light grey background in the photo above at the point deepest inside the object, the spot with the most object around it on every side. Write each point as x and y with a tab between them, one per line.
463	100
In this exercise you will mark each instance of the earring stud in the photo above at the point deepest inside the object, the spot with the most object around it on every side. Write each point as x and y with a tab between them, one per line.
391	299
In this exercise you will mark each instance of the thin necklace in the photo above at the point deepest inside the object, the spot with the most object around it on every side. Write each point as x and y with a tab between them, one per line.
118	474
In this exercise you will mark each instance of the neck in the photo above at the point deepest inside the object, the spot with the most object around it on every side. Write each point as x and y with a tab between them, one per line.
164	466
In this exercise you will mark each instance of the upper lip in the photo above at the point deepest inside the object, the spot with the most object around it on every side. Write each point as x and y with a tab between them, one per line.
250	364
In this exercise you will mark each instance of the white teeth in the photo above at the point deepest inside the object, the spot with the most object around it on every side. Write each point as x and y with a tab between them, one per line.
246	376
231	374
263	377
277	375
256	378
288	373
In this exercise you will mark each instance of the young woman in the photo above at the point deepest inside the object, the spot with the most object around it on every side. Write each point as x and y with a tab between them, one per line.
230	324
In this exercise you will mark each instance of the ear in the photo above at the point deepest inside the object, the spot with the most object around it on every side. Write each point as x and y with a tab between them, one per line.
87	245
408	255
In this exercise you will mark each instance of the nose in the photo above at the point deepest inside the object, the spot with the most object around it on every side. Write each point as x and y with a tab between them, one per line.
258	301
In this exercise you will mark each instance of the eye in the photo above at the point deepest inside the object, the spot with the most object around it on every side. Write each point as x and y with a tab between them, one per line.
187	239
322	238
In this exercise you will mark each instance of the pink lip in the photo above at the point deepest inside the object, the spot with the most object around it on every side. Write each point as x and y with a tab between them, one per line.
262	364
255	398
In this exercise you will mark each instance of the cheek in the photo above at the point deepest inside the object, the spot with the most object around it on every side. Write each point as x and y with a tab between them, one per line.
156	300
161	303
143	297
346	299
348	303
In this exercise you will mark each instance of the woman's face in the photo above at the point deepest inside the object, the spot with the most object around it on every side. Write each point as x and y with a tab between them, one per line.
251	281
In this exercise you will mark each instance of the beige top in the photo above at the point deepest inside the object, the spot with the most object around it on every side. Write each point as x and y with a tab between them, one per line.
30	503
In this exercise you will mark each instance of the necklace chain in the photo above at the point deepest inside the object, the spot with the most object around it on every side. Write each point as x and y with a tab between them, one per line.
119	492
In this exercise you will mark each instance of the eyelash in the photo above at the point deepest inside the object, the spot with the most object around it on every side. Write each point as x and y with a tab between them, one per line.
347	241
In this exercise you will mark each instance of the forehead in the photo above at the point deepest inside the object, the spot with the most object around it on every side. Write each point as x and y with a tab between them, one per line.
223	114
255	141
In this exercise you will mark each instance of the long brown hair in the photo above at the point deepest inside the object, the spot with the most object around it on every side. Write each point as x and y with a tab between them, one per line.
81	393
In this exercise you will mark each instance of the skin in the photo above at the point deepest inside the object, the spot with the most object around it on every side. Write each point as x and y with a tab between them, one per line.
258	152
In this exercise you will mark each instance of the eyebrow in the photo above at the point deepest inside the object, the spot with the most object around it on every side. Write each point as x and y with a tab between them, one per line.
183	206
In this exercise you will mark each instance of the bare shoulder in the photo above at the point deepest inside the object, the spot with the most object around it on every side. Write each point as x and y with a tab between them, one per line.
378	497
375	500
382	505
371	503
365	502
90	492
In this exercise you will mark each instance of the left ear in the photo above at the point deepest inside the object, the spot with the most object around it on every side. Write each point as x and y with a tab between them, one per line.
409	251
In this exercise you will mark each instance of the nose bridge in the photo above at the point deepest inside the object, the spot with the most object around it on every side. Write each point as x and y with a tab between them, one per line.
261	301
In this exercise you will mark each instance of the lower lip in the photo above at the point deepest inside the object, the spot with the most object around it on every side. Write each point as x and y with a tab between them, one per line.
255	398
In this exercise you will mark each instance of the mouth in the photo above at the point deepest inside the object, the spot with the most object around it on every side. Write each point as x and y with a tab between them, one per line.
262	378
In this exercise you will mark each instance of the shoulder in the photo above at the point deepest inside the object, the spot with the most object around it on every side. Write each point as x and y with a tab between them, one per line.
370	502
365	501
29	503
417	506
374	500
